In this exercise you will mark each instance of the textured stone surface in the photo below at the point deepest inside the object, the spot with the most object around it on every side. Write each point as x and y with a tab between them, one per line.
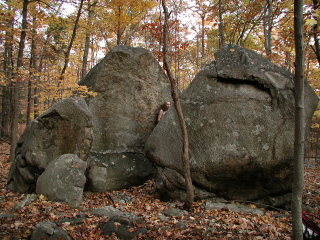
64	128
64	180
130	87
233	207
116	171
239	112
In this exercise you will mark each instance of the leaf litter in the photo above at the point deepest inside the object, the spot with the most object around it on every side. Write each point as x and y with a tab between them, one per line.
197	224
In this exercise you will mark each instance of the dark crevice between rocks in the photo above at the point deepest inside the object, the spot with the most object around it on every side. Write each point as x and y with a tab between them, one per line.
253	82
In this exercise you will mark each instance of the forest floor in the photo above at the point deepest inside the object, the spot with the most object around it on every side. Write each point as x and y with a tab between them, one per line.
200	223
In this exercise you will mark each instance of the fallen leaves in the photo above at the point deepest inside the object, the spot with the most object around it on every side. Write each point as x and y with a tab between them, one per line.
197	224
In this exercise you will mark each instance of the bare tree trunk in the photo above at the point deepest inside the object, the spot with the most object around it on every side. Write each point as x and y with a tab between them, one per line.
299	139
5	118
119	27
221	32
87	43
174	93
202	40
32	69
7	67
16	109
267	25
316	47
67	54
197	59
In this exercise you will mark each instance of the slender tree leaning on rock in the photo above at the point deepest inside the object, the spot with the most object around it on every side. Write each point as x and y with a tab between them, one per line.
185	148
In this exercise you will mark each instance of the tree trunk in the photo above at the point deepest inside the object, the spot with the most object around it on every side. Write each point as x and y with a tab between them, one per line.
33	68
7	67
5	117
267	25
67	54
221	33
202	40
299	139
316	47
185	149
197	58
16	108
119	27
87	43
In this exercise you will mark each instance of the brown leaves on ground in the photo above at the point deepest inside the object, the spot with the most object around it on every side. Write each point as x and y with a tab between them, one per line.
198	224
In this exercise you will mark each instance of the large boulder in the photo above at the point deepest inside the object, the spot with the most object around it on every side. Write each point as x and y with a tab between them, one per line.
64	180
130	87
239	112
64	128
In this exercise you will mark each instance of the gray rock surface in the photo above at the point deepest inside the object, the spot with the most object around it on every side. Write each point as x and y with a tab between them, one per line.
130	86
116	171
110	212
6	215
239	112
25	201
64	128
233	207
64	180
124	228
175	212
49	231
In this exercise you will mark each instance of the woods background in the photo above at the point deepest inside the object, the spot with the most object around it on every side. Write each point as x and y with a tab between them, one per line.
48	46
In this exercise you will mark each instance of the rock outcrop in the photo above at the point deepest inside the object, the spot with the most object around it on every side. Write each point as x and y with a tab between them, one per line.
239	112
64	128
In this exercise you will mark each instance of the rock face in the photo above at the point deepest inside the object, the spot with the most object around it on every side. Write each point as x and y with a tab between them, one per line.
65	128
108	172
130	87
239	112
64	180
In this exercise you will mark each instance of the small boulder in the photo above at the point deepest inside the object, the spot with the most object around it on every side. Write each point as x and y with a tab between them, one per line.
124	228
64	180
49	231
109	212
24	202
175	212
233	207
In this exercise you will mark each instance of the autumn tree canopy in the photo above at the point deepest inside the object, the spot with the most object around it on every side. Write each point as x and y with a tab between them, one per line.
82	32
